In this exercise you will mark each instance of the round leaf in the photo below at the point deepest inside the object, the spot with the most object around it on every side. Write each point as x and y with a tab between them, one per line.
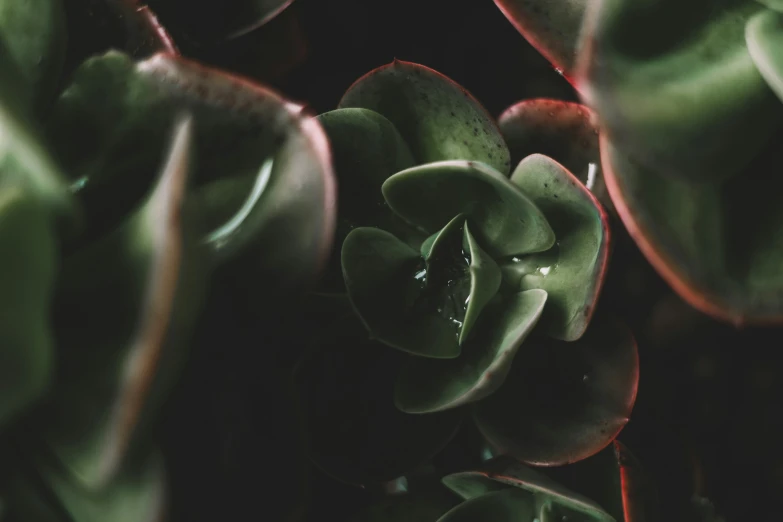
573	272
503	219
381	277
437	118
777	5
428	385
28	248
564	131
33	32
366	149
672	99
357	433
123	313
553	28
499	506
563	402
764	35
717	244
503	474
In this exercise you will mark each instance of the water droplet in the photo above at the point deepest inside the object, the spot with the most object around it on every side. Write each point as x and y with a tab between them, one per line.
585	378
559	71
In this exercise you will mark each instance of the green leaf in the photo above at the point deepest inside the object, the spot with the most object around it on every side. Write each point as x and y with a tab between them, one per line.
218	19
428	385
764	35
437	118
108	131
552	27
499	506
366	149
33	32
719	245
357	434
123	313
281	228
28	248
503	474
563	402
485	279
138	493
383	277
572	272
503	219
564	131
671	100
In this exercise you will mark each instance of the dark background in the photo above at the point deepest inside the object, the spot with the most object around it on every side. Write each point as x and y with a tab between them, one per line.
707	420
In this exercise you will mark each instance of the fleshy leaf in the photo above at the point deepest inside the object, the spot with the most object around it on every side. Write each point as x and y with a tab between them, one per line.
437	118
503	219
123	312
428	385
764	35
552	27
357	433
28	248
717	245
485	279
572	272
33	32
384	280
670	100
616	480
216	19
563	402
508	505
366	150
241	127
564	131
138	493
503	474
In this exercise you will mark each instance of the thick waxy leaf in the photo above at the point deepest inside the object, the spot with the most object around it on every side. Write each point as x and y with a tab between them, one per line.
563	402
546	496
671	100
24	160
509	505
33	32
437	118
357	433
123	313
240	127
764	35
564	131
485	279
503	219
218	19
572	272
384	280
49	494
615	479
425	505
28	248
366	150
427	385
552	27
726	267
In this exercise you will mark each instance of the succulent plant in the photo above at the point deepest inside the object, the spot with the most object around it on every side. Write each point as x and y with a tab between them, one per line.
107	263
689	121
454	263
611	488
